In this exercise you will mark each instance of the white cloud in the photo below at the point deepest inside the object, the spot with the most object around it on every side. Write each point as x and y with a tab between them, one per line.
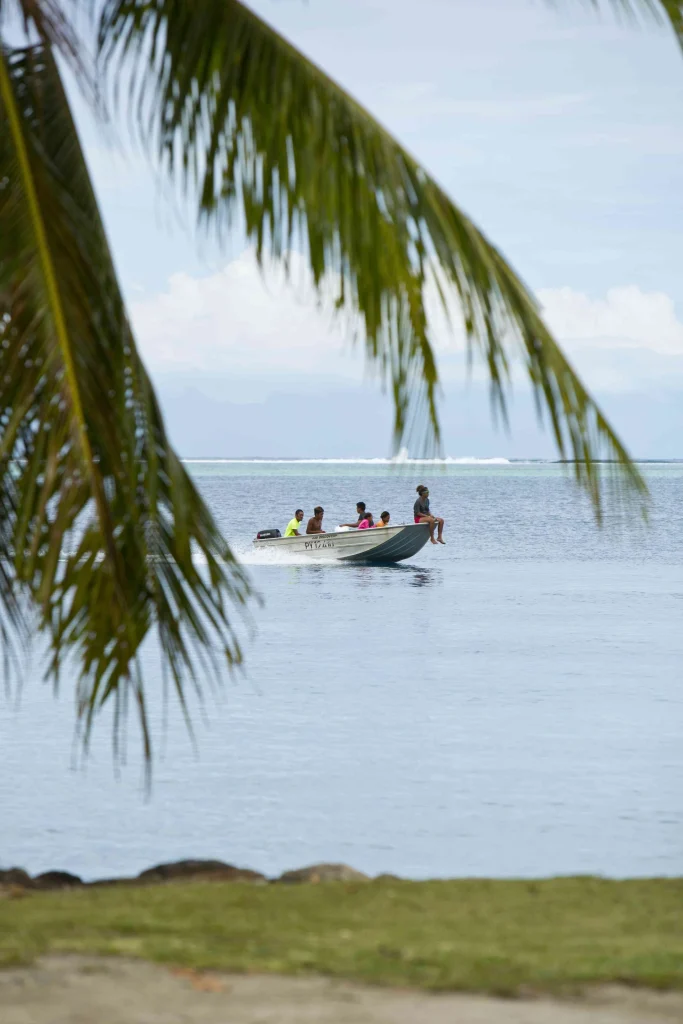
237	323
240	321
627	318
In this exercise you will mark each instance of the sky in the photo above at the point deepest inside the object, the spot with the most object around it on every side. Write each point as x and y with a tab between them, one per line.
559	131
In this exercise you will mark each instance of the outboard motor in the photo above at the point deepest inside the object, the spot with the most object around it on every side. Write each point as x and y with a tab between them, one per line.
268	534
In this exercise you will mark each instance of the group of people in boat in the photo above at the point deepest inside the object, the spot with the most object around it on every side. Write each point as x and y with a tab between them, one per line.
366	520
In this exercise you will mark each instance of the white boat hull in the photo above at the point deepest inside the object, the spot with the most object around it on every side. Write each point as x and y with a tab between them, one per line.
383	545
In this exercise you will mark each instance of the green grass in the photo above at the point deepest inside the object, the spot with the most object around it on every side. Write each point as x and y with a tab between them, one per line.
493	936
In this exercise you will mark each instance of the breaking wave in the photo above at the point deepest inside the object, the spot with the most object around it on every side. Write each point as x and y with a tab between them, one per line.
402	459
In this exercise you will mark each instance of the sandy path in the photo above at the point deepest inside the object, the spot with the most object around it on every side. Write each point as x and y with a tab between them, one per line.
85	990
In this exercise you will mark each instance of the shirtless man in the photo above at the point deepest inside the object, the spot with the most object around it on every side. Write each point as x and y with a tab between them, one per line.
315	525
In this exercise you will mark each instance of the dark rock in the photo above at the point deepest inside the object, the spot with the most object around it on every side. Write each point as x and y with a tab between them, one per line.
16	877
57	880
324	873
201	870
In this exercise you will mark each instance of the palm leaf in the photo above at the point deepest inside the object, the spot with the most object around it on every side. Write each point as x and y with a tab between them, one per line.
52	23
246	123
99	519
663	12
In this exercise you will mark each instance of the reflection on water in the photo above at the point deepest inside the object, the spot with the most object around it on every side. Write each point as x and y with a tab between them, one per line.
426	577
362	575
399	574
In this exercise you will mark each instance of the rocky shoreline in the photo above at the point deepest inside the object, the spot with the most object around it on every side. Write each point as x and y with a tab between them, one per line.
180	871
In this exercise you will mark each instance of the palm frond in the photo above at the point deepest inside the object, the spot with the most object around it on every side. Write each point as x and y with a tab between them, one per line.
662	12
250	126
51	22
99	518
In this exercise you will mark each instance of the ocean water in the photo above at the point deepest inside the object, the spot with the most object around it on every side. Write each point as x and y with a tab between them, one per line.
509	705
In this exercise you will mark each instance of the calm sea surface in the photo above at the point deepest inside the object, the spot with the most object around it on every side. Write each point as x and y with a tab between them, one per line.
510	705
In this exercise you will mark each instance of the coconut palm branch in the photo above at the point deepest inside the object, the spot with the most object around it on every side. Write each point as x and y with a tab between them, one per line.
661	12
100	519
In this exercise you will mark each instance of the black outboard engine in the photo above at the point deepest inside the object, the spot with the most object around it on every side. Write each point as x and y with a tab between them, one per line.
268	534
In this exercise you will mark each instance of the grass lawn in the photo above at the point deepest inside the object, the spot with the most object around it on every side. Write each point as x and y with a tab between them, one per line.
493	936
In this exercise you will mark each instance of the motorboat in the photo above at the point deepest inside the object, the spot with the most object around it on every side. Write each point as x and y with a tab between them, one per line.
378	545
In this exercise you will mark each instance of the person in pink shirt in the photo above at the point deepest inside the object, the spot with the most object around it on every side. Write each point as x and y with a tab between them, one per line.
366	522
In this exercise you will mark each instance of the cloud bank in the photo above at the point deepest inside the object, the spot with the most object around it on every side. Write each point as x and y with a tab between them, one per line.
239	323
626	317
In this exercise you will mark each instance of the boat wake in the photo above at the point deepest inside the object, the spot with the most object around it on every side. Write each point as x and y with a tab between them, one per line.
249	555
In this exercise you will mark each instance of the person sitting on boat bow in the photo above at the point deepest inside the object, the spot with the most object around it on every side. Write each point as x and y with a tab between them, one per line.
383	520
423	515
294	524
360	509
315	524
